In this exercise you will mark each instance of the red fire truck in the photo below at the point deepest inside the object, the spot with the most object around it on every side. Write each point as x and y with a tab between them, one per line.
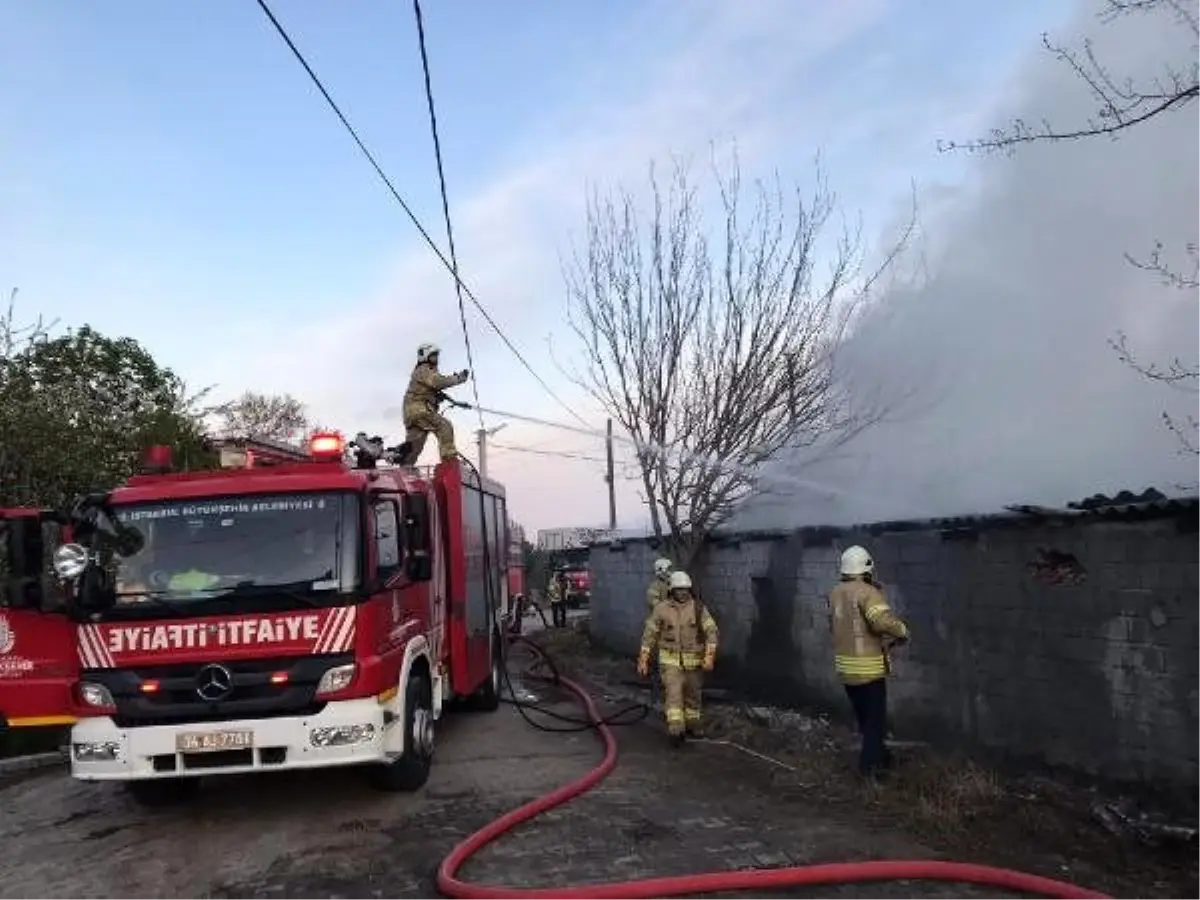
35	687
289	610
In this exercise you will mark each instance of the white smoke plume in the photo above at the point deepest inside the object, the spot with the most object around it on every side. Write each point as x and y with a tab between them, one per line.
1021	399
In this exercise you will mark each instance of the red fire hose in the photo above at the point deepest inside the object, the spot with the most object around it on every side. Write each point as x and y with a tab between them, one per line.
753	880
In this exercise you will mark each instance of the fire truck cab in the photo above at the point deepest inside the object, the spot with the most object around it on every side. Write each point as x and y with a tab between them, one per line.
289	610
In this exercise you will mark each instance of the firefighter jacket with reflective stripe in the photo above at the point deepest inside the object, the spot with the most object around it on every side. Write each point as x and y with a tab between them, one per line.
423	389
684	633
554	592
862	622
656	593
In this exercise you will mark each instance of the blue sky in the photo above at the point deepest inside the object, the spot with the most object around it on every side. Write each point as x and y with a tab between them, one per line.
167	172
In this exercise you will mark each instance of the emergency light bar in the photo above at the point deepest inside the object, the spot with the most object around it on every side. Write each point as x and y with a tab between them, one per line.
326	446
252	453
157	459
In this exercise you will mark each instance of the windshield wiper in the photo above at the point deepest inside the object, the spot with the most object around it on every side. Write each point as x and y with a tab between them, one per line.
296	590
154	598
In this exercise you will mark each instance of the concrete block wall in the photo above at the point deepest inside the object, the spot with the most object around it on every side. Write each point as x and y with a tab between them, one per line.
1098	676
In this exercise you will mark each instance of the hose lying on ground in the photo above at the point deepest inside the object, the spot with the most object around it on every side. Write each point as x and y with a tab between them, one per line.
451	885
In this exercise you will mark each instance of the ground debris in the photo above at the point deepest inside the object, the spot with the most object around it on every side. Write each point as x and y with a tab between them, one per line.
781	718
954	803
1124	819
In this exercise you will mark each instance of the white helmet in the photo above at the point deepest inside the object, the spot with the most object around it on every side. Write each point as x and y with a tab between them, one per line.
679	581
425	351
662	566
857	561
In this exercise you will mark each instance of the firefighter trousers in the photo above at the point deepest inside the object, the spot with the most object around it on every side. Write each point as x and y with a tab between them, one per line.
681	698
418	427
870	711
558	614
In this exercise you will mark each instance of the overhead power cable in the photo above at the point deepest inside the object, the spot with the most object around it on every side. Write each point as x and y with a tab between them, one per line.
441	173
565	454
450	267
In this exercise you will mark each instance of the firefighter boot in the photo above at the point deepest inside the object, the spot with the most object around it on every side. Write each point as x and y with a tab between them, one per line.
403	455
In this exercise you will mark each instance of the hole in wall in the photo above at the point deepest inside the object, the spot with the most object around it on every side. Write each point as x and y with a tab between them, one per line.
1056	568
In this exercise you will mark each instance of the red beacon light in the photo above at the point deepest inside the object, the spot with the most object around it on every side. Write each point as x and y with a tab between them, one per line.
326	446
157	459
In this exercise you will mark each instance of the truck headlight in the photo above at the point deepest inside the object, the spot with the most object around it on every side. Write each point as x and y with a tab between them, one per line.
336	679
100	751
96	695
341	735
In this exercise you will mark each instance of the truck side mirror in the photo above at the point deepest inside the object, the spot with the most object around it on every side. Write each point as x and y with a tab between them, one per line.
418	563
95	591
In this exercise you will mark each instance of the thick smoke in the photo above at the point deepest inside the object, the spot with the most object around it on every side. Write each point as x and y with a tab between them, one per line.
1021	399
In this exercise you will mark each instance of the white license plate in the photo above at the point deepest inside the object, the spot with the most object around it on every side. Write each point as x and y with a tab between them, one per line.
214	741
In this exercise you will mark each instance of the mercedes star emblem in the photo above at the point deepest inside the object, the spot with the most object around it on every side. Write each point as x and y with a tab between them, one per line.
214	683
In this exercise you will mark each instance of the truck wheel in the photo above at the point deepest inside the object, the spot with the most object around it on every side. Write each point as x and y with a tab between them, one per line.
487	698
411	770
161	792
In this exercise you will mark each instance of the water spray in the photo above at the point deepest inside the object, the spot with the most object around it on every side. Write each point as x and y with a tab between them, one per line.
658	451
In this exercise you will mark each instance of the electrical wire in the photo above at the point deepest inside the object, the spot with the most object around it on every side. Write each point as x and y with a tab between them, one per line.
565	454
450	267
441	173
664	450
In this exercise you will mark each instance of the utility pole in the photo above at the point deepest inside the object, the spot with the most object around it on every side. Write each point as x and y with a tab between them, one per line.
481	436
608	476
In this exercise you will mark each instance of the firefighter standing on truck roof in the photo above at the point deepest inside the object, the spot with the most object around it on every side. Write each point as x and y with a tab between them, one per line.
864	628
657	591
685	635
557	594
421	416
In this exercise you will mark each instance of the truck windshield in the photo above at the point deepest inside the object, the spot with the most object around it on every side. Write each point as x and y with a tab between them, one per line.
301	545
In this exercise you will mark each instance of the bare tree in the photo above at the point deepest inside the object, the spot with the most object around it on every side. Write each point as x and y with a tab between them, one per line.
274	416
14	337
715	349
1123	102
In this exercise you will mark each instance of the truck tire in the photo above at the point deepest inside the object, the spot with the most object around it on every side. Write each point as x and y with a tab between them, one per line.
487	698
411	770
159	792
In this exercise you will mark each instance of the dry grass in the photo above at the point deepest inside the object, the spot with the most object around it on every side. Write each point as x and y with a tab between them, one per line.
952	803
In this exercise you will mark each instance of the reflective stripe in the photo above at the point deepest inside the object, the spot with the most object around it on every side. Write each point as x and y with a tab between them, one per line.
675	659
674	714
692	715
860	665
876	611
35	721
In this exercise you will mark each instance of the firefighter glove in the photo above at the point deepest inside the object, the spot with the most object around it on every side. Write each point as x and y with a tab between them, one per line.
643	665
464	374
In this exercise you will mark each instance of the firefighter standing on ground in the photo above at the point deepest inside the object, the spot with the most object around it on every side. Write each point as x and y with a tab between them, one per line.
657	591
685	635
864	628
421	416
557	594
655	594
